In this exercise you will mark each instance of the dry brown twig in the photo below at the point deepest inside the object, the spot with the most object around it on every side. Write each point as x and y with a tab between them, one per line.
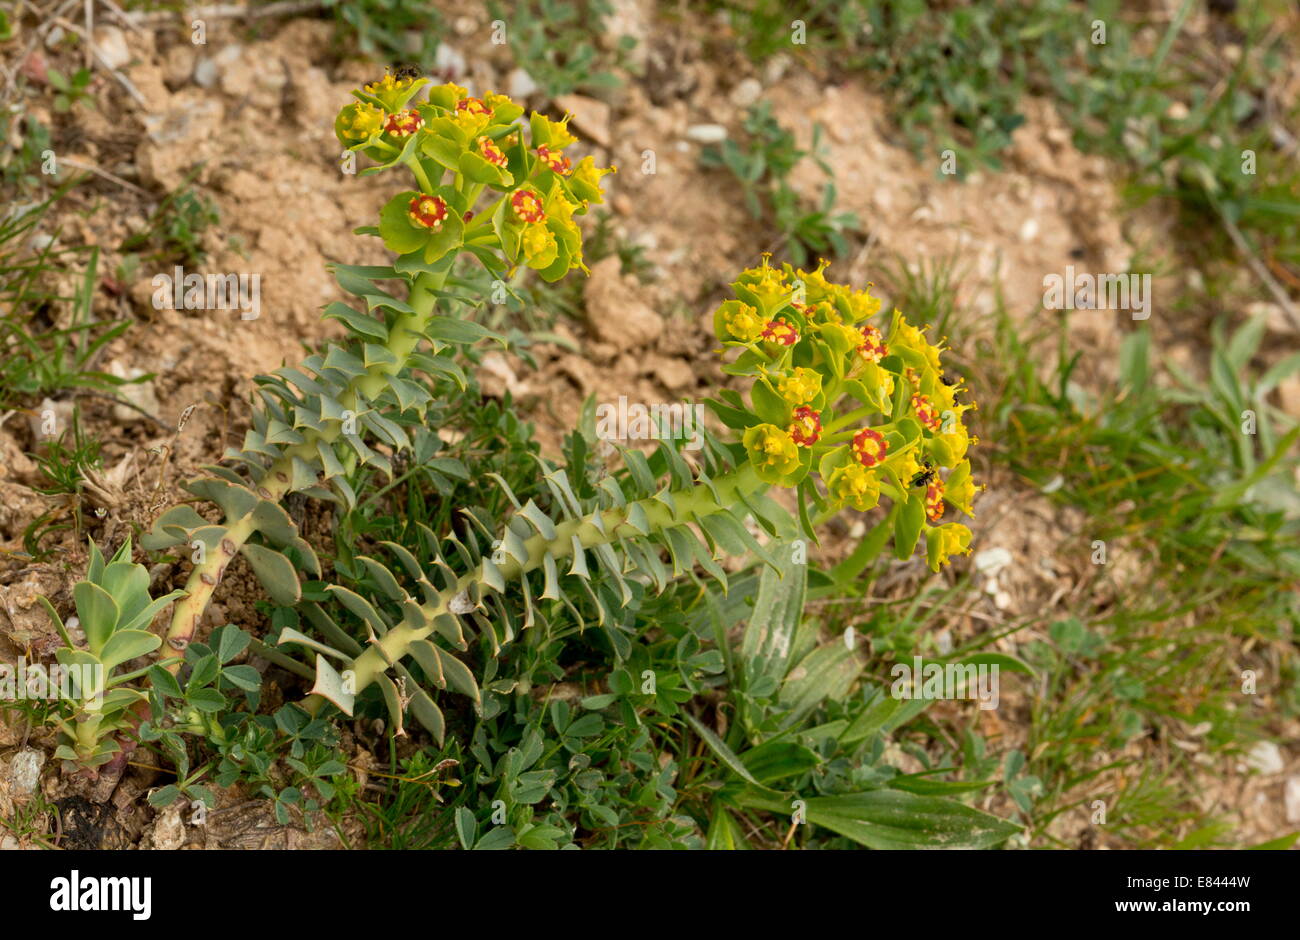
104	174
121	79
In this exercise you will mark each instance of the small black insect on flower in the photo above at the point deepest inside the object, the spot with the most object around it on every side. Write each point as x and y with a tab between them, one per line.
406	72
925	476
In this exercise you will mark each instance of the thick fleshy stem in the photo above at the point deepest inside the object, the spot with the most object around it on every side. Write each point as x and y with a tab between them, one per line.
690	506
403	338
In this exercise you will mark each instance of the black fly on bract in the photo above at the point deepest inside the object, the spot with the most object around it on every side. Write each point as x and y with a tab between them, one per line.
925	476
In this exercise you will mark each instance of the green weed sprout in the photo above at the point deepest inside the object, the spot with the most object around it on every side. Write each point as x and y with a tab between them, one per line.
114	609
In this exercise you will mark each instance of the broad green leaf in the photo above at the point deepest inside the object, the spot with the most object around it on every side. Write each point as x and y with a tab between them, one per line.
871	719
458	675
724	831
128	585
924	784
95	566
243	677
229	641
361	323
430	660
894	819
827	672
777	760
274	523
125	645
207	700
428	714
145	615
732	537
359	606
724	753
456	330
235	501
393	702
164	681
908	525
55	619
769	635
466	827
97	612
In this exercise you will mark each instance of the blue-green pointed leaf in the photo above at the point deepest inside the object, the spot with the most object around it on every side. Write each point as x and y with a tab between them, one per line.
276	573
330	685
97	612
361	323
579	566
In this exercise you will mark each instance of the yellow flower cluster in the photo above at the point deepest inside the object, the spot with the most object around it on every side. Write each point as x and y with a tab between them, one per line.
865	407
457	146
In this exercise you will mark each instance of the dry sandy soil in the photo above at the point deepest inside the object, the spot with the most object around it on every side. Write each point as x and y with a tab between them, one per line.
255	117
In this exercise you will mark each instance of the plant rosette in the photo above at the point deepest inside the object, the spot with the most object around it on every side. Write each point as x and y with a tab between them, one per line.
114	610
488	185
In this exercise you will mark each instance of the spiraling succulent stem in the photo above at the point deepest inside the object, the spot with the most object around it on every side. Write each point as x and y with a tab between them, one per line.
403	337
690	505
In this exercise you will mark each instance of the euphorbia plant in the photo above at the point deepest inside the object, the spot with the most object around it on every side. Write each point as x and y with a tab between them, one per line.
833	398
845	411
490	188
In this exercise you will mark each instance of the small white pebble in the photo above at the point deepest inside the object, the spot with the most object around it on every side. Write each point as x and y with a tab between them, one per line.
1291	798
706	133
1266	758
992	560
25	772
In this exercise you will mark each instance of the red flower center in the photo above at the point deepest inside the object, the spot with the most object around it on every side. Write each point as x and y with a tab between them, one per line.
558	162
780	331
806	428
925	412
473	106
491	152
427	211
934	500
528	205
873	345
403	123
870	447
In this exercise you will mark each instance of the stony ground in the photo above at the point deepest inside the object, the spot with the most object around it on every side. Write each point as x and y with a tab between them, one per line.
251	116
